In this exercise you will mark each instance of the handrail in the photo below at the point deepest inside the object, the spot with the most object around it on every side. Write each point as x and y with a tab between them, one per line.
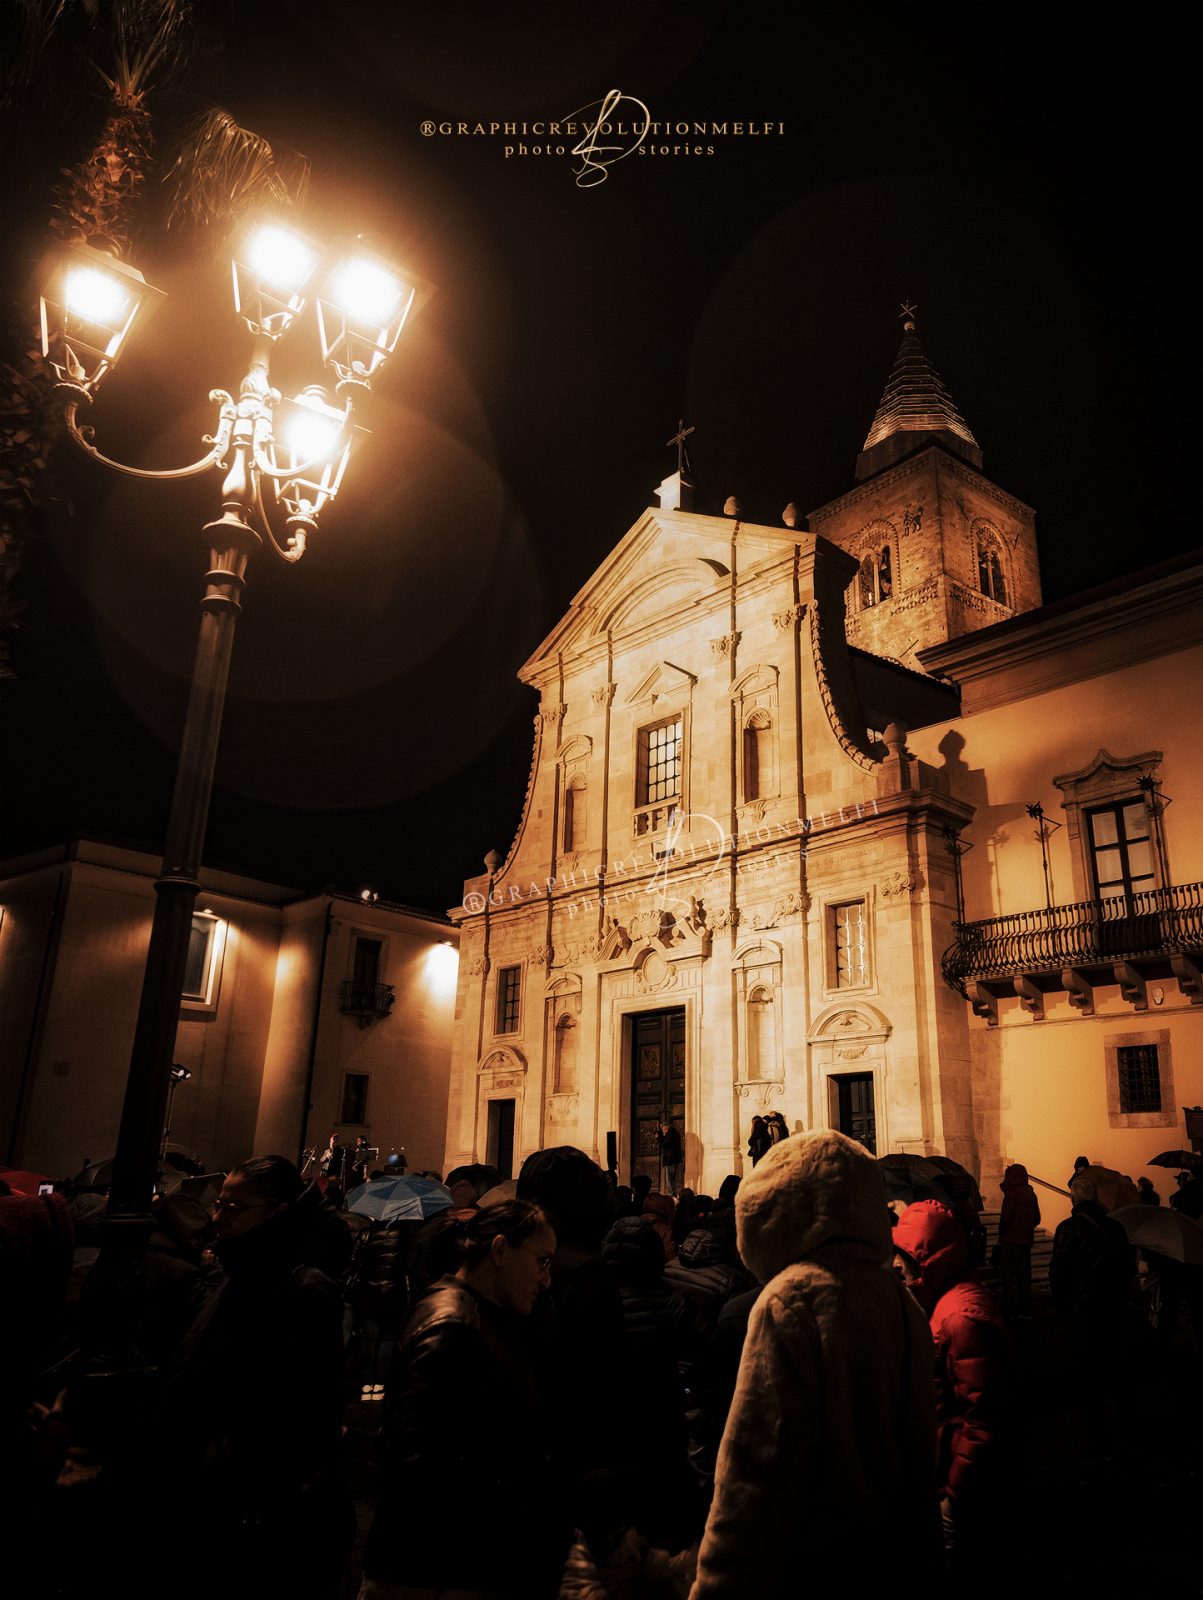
1055	1187
1085	933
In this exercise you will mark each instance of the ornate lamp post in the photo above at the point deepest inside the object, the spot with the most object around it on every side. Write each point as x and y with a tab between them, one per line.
299	450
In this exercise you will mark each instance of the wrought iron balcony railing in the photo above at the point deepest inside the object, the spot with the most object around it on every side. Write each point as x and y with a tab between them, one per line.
366	1000
1157	923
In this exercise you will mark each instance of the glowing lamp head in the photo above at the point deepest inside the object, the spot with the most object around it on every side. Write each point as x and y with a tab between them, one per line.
272	266
280	257
309	453
95	296
311	434
365	291
89	302
361	311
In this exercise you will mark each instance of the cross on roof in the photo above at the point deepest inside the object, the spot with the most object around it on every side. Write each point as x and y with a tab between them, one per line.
679	439
908	314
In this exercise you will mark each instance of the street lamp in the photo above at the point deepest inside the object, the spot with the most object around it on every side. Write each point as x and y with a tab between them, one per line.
298	449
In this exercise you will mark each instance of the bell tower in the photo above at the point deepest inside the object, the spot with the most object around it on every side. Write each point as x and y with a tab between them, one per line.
942	551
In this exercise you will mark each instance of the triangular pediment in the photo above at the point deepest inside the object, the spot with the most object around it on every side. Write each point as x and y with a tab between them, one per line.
670	564
663	679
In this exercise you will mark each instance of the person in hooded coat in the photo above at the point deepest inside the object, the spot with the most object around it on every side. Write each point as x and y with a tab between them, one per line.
974	1369
1017	1224
827	1464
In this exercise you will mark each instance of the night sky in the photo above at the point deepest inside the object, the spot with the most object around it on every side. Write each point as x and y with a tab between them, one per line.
1017	188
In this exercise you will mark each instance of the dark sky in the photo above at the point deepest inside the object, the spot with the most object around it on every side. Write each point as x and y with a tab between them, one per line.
1027	191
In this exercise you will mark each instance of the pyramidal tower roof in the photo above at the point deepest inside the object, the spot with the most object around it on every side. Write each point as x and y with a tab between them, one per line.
915	409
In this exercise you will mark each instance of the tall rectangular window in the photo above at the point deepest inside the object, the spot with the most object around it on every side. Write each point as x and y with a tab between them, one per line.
355	1097
1139	1079
365	974
509	999
203	967
849	944
658	775
1121	851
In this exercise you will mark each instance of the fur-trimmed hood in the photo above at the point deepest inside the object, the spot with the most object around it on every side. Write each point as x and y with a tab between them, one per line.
815	1192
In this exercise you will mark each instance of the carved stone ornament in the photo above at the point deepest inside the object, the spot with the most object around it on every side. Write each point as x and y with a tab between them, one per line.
761	1090
896	884
553	715
789	618
793	904
755	809
724	917
722	647
563	1108
480	967
655	973
912	520
604	694
851	1052
545	955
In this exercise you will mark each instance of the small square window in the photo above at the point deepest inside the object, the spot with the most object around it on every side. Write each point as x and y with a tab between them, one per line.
1139	1079
848	945
509	999
355	1097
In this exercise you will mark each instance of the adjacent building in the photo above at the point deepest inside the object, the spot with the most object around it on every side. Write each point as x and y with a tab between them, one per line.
302	1014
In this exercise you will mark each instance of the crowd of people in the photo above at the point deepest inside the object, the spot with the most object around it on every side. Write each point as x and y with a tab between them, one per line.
586	1390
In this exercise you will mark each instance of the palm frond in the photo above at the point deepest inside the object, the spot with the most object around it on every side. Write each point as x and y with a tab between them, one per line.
220	170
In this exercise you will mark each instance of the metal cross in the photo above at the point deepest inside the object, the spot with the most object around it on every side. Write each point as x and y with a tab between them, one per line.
679	439
908	312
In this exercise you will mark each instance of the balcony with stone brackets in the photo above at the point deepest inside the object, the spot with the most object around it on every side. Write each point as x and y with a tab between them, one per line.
366	1002
1127	940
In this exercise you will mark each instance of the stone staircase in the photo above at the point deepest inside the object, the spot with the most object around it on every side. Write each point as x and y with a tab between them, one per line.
1042	1252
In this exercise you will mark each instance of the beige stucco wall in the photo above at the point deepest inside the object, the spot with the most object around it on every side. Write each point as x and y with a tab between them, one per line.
1040	1086
406	1055
250	1053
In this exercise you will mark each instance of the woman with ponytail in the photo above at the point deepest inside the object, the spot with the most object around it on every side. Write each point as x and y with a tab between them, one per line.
468	1507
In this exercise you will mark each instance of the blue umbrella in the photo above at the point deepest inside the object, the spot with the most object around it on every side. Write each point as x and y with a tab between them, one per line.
400	1199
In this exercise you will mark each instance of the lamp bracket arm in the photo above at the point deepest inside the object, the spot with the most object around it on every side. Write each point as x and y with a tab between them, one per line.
82	435
295	548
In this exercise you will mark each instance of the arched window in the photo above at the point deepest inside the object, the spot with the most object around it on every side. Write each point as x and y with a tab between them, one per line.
991	578
885	581
573	831
758	756
762	1035
875	581
566	1055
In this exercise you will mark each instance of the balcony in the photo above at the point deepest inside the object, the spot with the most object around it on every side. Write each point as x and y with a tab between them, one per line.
367	1002
1127	940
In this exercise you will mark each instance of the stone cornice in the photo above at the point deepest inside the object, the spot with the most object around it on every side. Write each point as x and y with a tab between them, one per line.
905	469
1135	619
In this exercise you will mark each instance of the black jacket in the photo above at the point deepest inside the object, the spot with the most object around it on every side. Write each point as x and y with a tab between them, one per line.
468	1498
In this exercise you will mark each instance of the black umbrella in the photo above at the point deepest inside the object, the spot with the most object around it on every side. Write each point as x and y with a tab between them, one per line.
1175	1158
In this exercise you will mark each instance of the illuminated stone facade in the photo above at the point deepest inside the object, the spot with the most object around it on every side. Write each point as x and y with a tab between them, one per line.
778	913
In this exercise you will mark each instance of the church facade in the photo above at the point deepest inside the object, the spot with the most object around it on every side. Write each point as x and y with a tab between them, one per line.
741	862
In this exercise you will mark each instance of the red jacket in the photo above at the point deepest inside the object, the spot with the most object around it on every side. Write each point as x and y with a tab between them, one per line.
974	1361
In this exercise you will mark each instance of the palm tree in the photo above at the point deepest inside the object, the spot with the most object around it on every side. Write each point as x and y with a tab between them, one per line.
133	52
